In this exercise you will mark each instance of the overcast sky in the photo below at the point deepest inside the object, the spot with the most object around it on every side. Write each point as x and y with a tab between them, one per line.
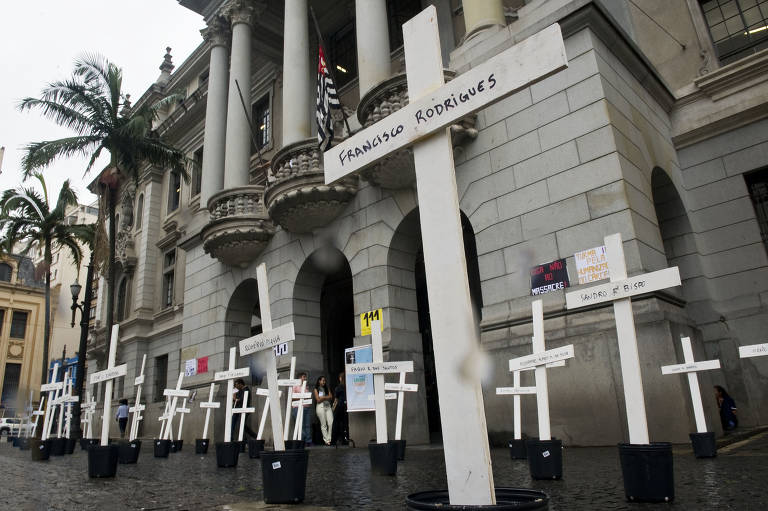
39	42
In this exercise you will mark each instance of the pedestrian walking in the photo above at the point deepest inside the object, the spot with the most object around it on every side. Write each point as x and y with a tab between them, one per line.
121	416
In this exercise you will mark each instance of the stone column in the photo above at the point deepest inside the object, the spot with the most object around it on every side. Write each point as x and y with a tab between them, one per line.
480	15
296	86
237	152
217	34
373	62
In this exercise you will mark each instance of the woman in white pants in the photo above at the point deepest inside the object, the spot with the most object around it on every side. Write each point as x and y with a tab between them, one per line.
324	398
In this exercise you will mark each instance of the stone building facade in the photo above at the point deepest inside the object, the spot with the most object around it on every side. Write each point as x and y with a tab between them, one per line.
657	130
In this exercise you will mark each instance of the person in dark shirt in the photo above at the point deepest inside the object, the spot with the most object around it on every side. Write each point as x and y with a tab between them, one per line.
727	409
340	417
238	398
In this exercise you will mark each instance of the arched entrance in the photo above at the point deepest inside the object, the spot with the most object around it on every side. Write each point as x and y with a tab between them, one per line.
242	321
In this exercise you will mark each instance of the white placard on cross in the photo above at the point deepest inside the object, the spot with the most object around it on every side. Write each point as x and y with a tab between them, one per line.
230	375
209	405
691	367
401	388
625	327
422	124
137	407
109	375
753	350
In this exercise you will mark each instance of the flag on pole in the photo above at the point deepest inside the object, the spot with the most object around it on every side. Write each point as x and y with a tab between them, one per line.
326	100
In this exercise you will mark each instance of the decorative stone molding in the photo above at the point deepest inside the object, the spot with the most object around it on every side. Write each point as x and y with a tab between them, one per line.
397	170
297	197
244	11
239	227
217	32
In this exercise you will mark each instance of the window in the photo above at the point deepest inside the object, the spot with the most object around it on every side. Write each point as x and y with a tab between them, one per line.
169	266
6	271
343	55
2	318
197	172
122	299
10	387
757	184
91	211
398	12
139	211
203	78
261	122
161	376
738	27
18	324
174	191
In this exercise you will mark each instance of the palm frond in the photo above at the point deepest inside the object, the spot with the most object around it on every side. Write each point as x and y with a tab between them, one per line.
38	155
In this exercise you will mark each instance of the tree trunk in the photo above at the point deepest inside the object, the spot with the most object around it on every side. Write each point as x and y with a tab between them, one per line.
47	334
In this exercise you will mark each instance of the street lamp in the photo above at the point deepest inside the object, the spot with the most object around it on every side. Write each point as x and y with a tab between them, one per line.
85	314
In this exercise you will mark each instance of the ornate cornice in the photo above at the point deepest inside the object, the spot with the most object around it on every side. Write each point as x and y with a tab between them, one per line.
244	11
217	32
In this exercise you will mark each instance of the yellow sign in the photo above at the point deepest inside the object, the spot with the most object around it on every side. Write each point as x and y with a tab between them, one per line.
369	317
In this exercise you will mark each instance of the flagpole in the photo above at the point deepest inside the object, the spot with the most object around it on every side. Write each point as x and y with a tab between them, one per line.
330	68
250	124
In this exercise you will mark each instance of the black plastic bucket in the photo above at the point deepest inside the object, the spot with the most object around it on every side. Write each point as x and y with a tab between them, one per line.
284	475
255	447
58	446
506	499
201	445
545	458
69	446
292	445
243	444
128	452
24	444
41	449
517	450
162	448
85	442
176	445
383	458
647	471
227	453
102	460
400	447
704	445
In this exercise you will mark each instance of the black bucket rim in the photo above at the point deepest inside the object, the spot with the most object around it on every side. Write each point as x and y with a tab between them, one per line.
439	500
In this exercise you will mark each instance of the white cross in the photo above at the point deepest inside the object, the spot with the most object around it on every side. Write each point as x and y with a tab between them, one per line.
37	415
268	338
230	375
434	106
379	368
89	408
691	367
182	411
620	290
242	411
69	398
208	405
263	421
299	400
137	407
290	383
60	400
401	389
753	350
52	388
108	375
172	396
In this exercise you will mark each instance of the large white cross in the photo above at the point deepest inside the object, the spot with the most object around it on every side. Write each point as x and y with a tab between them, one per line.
89	408
51	388
691	367
108	375
268	338
401	388
434	105
171	400
137	407
290	383
299	399
242	411
60	402
263	421
69	398
208	405
182	411
230	375
37	415
753	350
619	290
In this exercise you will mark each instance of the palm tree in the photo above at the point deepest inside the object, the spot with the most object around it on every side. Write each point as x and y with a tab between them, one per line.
92	104
26	218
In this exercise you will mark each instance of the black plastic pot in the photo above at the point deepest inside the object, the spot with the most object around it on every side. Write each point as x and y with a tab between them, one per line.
128	452
517	449
284	475
102	460
647	471
58	446
243	444
545	458
383	458
176	445
69	446
162	448
506	499
704	445
201	445
24	444
292	445
41	449
227	453
85	442
255	447
400	446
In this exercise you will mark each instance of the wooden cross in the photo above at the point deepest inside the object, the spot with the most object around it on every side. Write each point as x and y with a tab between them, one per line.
691	367
89	408
208	405
299	400
69	398
182	411
137	407
108	375
37	415
619	290
265	412
433	106
60	401
242	411
52	388
379	368
753	350
268	338
290	383
401	389
172	396
230	375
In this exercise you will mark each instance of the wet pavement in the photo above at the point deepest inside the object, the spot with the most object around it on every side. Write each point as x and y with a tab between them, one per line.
340	479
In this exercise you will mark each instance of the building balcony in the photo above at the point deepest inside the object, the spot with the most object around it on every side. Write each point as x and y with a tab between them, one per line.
239	227
297	197
397	170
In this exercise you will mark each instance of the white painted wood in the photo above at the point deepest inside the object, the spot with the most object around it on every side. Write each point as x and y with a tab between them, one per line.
60	400
164	418
626	288
401	389
37	415
516	408
266	324
109	374
515	391
692	367
380	367
107	412
290	385
540	373
533	59
137	407
208	405
267	339
171	413
545	359
378	383
242	411
51	388
753	350
263	421
182	411
299	415
228	396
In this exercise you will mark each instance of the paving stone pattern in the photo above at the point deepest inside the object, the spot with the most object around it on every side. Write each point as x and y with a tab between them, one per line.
340	479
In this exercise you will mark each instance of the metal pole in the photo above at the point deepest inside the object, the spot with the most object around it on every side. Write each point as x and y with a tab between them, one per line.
85	312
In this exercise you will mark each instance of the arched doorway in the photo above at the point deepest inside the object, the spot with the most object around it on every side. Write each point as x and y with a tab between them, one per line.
336	320
242	321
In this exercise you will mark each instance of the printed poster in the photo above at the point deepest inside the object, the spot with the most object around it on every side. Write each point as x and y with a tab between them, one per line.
549	277
591	265
190	367
202	365
359	386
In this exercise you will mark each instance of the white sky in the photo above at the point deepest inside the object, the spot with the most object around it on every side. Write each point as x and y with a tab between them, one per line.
39	42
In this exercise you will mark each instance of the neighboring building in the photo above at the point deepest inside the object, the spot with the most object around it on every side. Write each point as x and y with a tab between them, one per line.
22	307
657	130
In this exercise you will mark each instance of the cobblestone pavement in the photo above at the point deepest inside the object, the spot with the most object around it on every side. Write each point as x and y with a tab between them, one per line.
340	479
